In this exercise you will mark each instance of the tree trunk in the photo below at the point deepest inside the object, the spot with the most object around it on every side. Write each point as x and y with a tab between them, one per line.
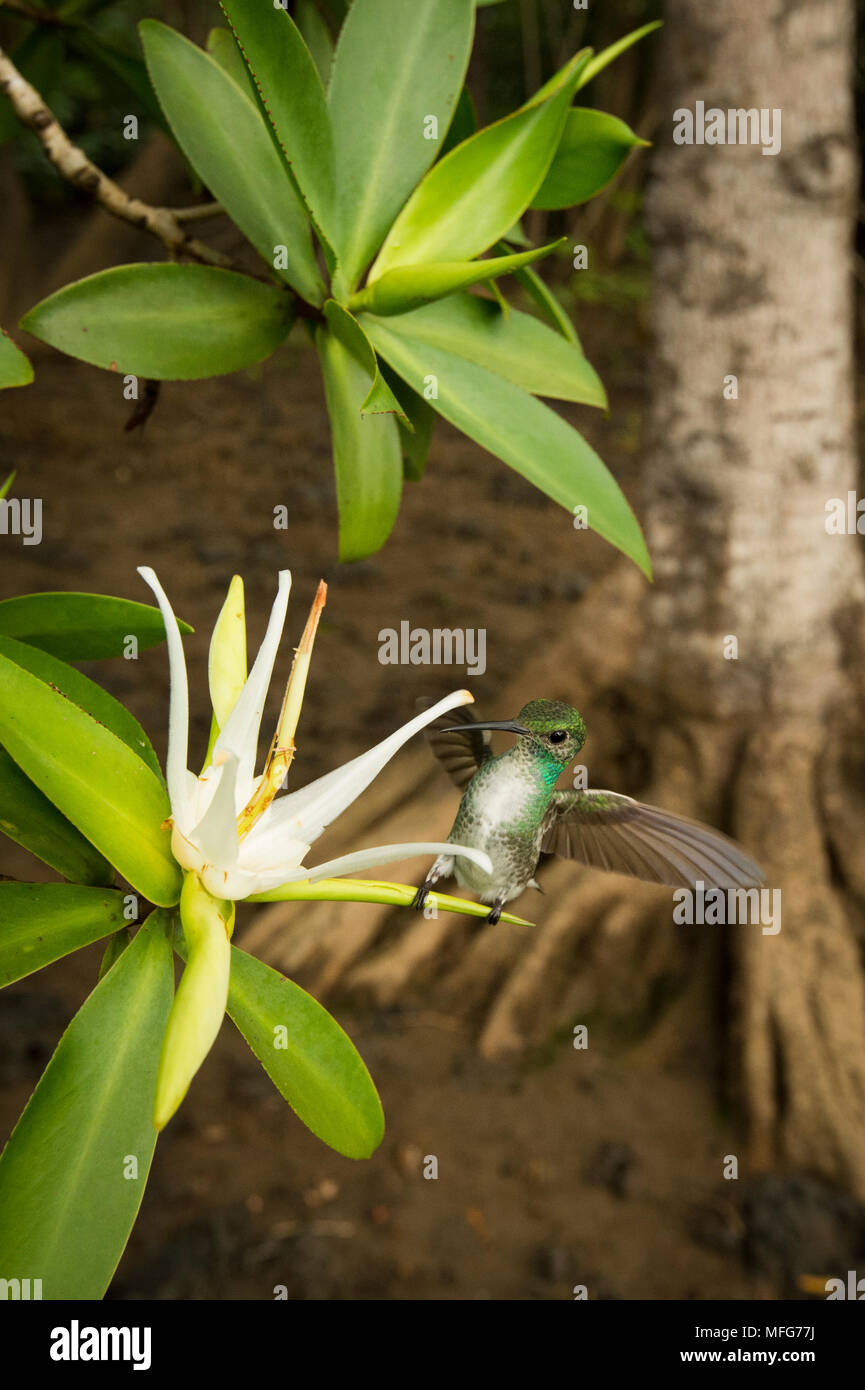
752	279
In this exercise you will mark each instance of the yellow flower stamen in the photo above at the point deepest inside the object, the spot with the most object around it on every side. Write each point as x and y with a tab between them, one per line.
282	748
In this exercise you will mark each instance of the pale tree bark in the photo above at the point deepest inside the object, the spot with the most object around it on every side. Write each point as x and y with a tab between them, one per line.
753	275
752	278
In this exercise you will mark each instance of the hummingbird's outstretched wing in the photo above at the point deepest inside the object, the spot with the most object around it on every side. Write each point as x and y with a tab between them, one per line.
460	753
609	831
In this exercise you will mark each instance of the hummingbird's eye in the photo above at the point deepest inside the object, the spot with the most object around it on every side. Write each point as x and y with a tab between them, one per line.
558	735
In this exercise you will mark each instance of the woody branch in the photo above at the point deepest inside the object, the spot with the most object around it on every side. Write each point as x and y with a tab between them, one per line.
73	165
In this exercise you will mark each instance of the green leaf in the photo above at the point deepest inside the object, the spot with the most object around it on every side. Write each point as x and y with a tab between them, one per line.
380	399
463	124
395	64
86	694
15	368
607	55
81	627
90	775
293	98
316	36
114	950
7	483
44	921
477	192
30	819
227	141
592	150
306	1054
365	890
547	302
522	431
519	348
414	441
408	287
223	49
68	1193
515	236
365	449
164	321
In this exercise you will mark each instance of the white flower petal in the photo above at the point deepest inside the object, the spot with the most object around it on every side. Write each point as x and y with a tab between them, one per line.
239	883
260	856
178	708
387	854
240	735
216	833
304	814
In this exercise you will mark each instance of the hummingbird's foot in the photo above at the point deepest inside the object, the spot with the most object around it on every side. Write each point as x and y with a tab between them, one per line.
420	897
495	911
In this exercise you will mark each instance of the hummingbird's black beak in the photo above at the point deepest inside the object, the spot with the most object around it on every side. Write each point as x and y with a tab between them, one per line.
507	726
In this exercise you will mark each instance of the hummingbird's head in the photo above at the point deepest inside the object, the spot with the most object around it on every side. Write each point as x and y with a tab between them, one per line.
556	729
551	728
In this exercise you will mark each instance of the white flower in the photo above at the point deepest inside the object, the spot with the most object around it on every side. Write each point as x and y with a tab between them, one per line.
226	825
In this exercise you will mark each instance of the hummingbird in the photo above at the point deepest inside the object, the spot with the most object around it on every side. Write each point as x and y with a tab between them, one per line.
511	808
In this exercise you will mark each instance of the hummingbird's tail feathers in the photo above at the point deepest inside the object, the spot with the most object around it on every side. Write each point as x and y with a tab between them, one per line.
614	832
460	751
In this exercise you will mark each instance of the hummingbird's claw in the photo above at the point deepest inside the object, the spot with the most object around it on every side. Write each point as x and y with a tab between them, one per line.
495	911
420	898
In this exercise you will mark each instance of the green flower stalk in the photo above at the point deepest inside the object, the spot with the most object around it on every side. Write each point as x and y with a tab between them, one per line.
199	1004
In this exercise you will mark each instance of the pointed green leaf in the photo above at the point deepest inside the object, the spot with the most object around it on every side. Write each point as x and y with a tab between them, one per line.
30	819
395	65
165	321
415	441
592	150
293	97
90	775
86	694
43	921
519	429
380	399
607	55
364	890
515	236
365	449
547	302
7	483
475	194
15	368
223	49
408	287
463	124
519	347
306	1054
72	1175
113	951
316	36
227	141
82	627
